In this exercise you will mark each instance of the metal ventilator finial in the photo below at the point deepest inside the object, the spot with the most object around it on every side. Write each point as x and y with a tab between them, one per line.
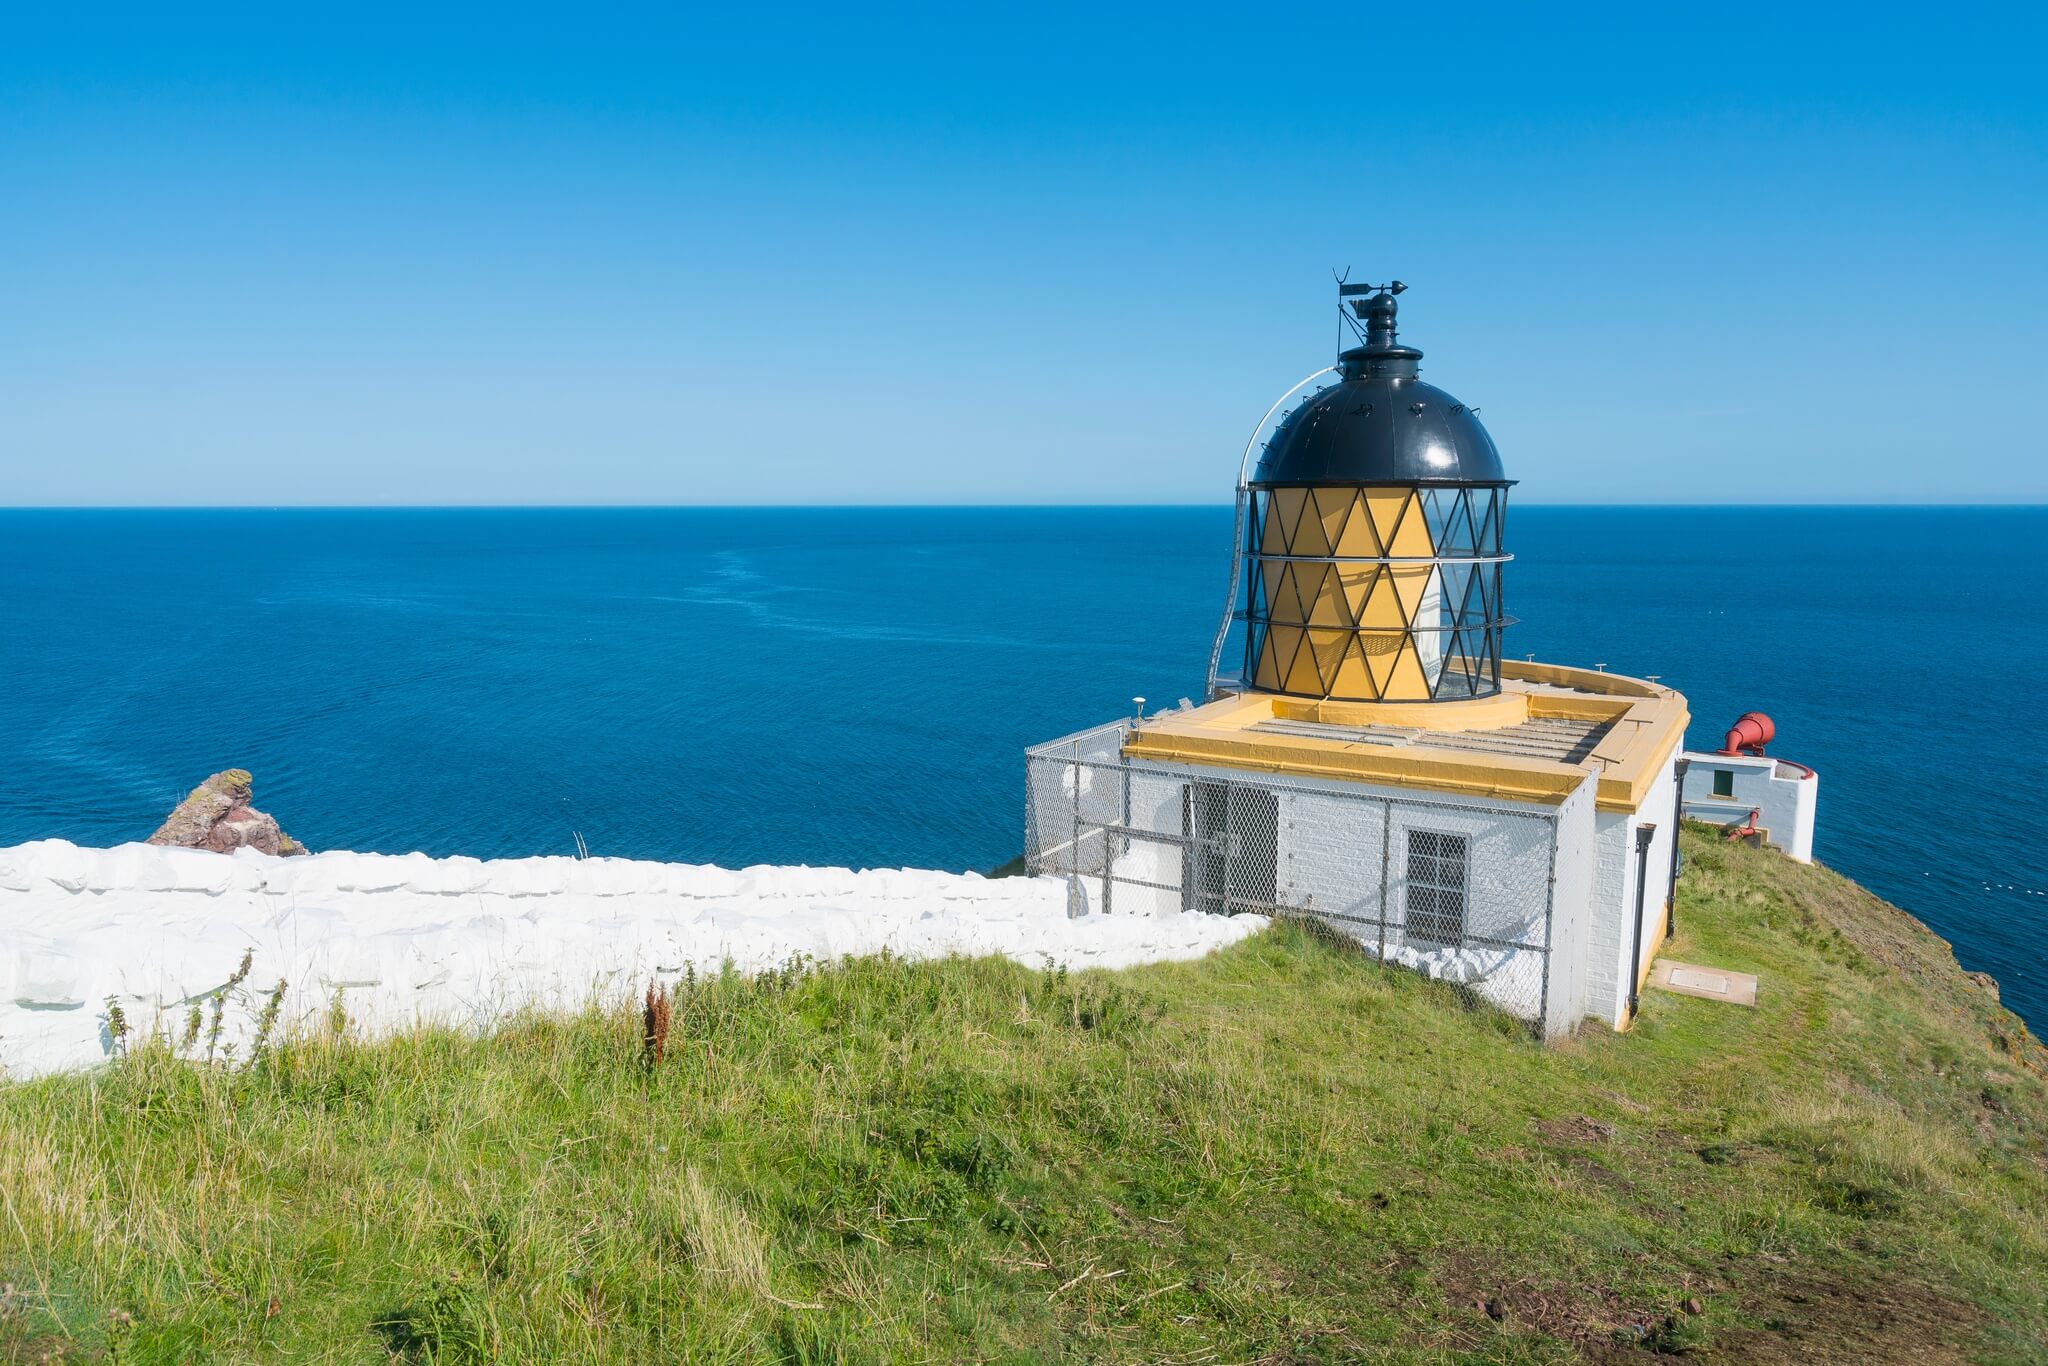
1370	305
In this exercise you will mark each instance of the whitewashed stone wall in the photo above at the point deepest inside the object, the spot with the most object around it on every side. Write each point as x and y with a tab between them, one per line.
406	940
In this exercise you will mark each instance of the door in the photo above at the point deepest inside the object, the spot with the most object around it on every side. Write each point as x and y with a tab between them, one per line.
1232	860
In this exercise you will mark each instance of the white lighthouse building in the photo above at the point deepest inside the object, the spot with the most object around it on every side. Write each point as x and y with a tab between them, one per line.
1377	764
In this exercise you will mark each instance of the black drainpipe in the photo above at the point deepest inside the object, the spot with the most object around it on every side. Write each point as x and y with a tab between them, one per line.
1677	816
1644	834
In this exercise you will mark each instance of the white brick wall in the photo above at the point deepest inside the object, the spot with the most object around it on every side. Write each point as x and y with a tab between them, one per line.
1605	946
1338	847
1614	894
1331	849
1572	911
1341	846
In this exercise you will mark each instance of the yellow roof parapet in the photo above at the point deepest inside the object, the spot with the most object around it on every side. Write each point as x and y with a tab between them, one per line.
1644	724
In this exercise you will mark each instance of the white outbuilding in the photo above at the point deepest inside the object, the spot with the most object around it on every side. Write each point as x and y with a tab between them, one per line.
1752	794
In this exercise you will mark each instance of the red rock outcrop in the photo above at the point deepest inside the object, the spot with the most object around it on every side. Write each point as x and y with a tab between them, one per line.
217	816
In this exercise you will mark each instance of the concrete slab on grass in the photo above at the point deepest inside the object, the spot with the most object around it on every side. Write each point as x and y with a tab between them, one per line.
1712	984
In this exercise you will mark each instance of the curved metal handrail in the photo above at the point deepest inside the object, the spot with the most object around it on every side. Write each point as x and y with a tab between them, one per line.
1244	467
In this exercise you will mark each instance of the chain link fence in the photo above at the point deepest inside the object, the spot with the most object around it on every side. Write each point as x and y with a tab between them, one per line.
1465	892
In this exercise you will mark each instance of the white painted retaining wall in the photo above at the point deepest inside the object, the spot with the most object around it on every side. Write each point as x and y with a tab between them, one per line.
407	938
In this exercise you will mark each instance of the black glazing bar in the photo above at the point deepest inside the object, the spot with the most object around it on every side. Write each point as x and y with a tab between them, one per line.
1498	623
1383	559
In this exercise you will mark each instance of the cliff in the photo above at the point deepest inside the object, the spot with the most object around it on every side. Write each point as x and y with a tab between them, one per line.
1280	1152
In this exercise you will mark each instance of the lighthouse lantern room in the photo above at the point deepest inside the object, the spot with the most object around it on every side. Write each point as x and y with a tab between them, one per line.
1373	563
1378	765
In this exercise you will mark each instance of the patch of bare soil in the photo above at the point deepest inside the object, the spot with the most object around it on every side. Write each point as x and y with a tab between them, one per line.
1577	1129
1791	1315
1598	1324
1824	1316
1570	1141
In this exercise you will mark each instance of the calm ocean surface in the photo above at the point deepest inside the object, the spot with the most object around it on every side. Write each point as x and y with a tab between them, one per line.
856	686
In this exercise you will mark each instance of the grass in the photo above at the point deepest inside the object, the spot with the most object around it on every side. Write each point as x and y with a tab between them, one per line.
1283	1153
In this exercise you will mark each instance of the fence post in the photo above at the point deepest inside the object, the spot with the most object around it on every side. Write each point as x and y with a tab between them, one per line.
1386	868
1030	822
1108	861
1113	848
1074	848
1549	934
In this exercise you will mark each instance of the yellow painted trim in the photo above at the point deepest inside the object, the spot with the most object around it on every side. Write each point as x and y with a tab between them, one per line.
1635	752
1588	680
1513	779
1656	943
1648	727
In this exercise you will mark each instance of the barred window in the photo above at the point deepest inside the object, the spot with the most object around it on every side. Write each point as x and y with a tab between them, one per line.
1438	865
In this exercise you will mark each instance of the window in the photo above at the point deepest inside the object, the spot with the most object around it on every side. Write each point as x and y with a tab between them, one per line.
1437	868
1724	782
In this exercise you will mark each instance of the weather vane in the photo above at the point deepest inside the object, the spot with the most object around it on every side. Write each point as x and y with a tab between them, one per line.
1360	296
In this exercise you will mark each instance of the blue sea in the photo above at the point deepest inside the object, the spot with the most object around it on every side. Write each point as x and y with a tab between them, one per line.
855	686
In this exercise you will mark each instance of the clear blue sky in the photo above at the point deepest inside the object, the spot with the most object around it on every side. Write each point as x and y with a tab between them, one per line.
1009	254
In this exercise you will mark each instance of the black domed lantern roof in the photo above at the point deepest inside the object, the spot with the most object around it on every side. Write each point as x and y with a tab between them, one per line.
1373	535
1380	424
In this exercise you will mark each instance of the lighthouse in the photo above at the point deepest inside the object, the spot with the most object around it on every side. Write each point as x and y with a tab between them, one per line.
1373	563
1371	760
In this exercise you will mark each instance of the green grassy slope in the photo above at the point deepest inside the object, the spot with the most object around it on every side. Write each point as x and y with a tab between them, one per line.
1284	1153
